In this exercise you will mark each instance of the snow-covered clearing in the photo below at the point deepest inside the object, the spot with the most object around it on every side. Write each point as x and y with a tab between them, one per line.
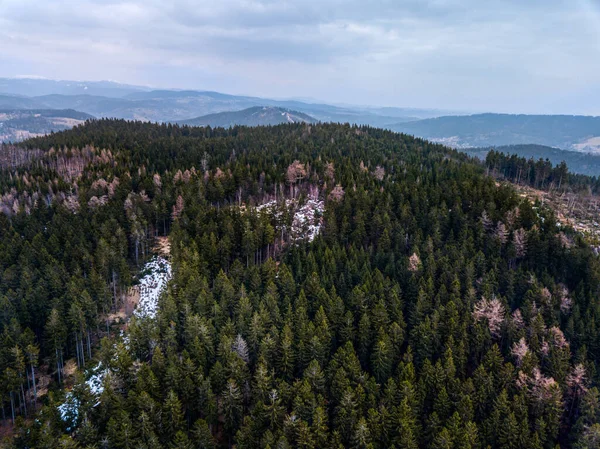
155	276
152	284
307	220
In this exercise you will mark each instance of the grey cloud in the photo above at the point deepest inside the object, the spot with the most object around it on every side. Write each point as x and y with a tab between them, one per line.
437	53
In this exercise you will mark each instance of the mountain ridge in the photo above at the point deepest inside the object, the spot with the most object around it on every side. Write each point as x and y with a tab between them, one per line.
254	116
568	132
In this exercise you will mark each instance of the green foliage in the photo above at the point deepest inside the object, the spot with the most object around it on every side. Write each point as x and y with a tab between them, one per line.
379	333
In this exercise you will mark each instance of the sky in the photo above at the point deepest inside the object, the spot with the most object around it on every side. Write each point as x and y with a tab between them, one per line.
520	56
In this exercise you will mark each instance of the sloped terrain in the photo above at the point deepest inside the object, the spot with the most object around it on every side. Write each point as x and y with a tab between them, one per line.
568	132
256	116
21	124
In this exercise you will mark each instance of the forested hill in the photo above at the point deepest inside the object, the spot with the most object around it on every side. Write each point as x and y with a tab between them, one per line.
569	132
332	286
578	162
19	124
255	116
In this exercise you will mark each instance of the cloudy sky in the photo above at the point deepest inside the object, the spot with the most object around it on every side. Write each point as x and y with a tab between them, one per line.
538	56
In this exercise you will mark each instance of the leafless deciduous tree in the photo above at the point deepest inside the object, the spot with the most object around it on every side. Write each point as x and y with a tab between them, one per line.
520	350
492	311
541	389
177	208
414	262
577	381
157	181
330	171
240	347
294	174
219	173
520	242
72	203
337	194
501	232
517	319
379	173
565	299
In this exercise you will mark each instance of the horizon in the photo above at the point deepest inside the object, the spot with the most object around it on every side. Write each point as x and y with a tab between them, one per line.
309	101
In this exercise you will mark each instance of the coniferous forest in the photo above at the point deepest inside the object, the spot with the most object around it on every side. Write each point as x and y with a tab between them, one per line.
332	286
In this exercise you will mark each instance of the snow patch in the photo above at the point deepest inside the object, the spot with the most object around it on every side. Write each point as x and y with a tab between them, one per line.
307	220
96	381
69	410
158	273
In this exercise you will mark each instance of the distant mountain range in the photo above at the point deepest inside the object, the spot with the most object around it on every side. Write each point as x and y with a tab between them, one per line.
255	116
109	99
106	99
33	87
569	132
21	124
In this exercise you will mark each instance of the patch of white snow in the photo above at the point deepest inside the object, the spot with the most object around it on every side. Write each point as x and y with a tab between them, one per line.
307	219
151	286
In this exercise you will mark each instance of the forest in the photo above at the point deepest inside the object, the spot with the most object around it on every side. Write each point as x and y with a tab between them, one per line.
331	286
540	173
577	161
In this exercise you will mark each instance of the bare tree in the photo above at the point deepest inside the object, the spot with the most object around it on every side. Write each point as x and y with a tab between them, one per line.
520	350
492	311
177	208
337	194
501	233
295	173
379	173
520	242
414	263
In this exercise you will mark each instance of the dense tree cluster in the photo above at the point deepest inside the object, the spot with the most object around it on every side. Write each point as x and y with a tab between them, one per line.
434	309
540	173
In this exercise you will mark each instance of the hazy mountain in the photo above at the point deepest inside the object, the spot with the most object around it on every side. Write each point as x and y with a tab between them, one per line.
174	106
21	124
578	162
17	102
107	99
255	116
570	132
40	86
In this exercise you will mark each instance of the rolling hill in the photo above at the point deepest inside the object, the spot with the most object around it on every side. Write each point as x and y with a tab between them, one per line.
578	162
255	116
569	132
21	124
107	99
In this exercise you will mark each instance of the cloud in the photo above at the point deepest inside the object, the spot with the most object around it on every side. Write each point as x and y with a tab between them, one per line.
495	55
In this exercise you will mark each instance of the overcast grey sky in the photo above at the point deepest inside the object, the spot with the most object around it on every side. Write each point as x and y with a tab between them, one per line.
512	55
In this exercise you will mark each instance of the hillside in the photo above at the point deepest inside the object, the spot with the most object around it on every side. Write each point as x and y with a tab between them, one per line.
578	162
255	116
568	132
322	286
21	124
